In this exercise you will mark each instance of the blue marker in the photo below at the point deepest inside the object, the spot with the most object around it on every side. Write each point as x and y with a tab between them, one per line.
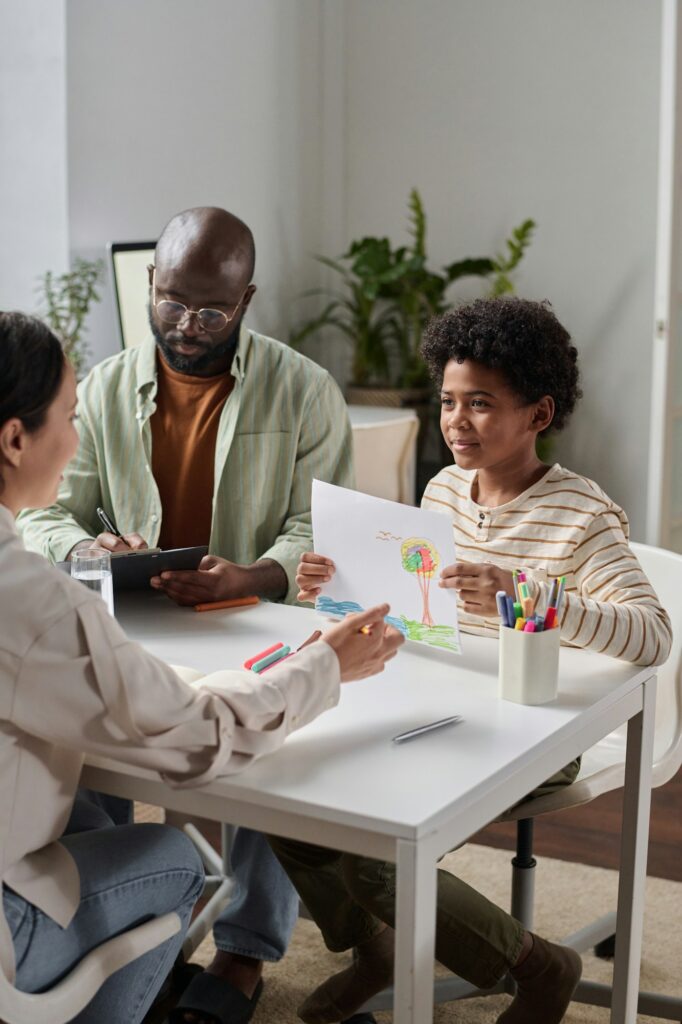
500	598
511	614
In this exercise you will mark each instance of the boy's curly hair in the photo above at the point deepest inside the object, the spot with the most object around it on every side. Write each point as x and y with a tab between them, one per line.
522	339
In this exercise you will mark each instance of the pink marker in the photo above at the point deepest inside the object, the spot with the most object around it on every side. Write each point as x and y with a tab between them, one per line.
529	627
250	662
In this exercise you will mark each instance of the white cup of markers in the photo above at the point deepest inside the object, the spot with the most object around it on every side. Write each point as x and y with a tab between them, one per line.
529	644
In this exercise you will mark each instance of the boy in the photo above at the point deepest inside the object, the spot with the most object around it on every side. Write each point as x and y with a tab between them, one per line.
507	372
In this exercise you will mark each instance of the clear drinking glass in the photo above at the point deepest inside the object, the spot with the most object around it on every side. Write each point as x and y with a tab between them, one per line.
92	566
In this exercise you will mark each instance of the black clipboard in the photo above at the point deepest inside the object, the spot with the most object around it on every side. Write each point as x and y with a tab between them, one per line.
133	571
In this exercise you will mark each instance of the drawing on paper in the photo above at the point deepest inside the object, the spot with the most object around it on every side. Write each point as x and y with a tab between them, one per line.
421	559
384	551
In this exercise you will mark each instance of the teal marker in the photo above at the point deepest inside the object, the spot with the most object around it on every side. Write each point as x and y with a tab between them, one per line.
281	652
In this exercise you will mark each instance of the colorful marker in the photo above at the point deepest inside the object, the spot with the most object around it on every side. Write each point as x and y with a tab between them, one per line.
269	659
250	662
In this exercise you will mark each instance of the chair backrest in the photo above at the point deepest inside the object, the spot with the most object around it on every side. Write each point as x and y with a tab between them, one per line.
383	453
66	1000
664	569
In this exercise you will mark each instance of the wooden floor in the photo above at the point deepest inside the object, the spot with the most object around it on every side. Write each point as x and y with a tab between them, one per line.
591	834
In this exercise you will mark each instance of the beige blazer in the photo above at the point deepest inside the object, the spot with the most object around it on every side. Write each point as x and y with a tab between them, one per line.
72	683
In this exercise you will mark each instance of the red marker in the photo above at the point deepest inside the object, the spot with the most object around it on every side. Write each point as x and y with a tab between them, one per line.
550	617
263	654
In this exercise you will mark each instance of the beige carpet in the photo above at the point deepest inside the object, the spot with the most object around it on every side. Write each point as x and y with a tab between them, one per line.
568	896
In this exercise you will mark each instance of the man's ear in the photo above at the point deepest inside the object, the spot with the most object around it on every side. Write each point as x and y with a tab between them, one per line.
543	413
13	439
250	292
150	273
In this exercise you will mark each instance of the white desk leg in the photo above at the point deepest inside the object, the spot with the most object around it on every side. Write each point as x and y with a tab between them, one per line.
633	856
415	940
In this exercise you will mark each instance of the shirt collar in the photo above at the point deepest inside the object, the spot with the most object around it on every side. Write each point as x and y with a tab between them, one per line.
146	361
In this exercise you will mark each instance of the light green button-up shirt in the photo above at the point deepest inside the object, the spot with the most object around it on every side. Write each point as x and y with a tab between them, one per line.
284	423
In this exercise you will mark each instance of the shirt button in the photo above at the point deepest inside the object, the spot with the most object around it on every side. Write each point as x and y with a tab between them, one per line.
155	518
479	525
138	415
481	515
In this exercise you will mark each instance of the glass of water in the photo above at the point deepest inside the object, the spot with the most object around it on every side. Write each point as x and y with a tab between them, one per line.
92	566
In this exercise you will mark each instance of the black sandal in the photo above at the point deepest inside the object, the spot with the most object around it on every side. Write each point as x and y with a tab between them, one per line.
216	999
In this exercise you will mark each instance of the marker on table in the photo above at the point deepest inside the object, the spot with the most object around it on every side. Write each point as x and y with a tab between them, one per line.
420	730
250	662
235	602
279	654
109	525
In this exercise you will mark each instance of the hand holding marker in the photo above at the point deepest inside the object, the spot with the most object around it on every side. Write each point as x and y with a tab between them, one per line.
519	612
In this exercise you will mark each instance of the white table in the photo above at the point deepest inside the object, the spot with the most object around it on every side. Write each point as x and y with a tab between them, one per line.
341	782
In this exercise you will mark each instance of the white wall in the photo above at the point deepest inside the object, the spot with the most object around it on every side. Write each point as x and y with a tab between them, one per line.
172	105
33	212
313	118
501	110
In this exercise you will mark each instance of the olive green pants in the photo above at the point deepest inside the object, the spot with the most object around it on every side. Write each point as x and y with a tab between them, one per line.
349	896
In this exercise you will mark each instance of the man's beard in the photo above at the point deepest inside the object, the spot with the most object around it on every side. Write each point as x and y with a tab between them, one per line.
193	365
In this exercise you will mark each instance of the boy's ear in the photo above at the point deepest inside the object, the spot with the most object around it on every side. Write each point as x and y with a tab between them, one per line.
543	413
12	442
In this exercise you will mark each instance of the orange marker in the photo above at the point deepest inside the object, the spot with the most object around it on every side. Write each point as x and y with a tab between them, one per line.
235	602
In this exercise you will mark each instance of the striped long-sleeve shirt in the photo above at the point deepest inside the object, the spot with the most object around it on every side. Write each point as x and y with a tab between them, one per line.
284	423
564	525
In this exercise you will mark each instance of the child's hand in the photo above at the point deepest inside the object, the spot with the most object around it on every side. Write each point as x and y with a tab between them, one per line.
476	584
312	570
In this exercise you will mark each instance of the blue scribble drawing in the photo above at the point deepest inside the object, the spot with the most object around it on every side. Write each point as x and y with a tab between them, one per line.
436	636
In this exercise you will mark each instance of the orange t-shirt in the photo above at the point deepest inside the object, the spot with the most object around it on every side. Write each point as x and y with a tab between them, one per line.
184	431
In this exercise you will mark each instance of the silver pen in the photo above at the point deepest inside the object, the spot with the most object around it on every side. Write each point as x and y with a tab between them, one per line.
403	736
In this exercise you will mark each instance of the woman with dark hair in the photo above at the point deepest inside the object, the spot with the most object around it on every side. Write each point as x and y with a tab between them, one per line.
72	683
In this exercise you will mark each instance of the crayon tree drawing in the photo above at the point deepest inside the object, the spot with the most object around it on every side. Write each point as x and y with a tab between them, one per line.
421	558
384	551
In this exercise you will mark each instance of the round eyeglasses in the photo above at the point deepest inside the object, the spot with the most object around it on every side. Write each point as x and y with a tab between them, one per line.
212	320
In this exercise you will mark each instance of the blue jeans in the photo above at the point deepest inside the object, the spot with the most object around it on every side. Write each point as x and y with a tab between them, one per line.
261	915
128	874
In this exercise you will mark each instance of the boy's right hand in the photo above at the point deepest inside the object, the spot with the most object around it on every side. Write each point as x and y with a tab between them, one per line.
312	571
363	643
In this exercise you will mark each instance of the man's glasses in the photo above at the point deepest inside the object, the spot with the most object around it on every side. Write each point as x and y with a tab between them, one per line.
212	320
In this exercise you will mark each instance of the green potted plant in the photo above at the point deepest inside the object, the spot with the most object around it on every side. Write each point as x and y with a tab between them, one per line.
66	300
387	296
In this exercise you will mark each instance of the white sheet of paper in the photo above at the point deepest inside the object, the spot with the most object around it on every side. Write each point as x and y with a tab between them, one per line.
384	551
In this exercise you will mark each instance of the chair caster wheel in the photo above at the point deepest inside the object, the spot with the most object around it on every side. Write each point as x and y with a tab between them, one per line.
606	949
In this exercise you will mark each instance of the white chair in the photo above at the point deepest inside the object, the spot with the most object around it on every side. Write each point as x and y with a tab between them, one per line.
602	770
384	452
63	1002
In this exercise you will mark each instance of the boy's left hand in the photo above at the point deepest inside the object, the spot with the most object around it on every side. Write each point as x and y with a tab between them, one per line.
477	584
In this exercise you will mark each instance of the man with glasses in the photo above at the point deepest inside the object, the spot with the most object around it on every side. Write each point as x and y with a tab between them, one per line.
208	433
